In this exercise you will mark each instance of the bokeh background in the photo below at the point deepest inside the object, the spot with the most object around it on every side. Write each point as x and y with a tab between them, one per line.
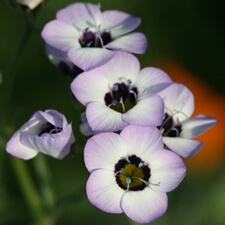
186	39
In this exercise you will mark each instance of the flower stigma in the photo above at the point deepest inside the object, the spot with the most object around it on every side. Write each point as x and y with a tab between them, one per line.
132	174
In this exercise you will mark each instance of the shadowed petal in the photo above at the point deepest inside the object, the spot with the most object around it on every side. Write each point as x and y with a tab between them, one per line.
195	126
89	58
183	146
144	206
101	118
134	42
103	191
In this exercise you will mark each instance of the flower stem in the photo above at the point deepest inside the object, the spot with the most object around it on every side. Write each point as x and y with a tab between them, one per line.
28	188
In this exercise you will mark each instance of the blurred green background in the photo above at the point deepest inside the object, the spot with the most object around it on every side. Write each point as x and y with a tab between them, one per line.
188	34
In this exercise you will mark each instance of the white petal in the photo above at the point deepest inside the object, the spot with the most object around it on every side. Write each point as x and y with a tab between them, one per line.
122	67
144	206
167	171
196	126
183	146
81	16
90	58
145	142
119	23
60	35
103	191
134	42
90	86
152	80
178	98
147	112
102	118
103	151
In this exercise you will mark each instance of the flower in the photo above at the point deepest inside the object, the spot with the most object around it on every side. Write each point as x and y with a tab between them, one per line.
177	129
31	4
131	172
118	94
61	61
47	132
88	35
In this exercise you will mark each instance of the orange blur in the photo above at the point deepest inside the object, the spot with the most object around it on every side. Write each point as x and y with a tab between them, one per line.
210	103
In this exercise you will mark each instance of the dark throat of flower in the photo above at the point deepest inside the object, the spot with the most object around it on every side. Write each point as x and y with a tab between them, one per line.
132	174
121	97
95	39
49	128
169	128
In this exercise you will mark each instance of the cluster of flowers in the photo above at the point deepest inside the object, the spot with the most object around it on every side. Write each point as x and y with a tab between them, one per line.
132	169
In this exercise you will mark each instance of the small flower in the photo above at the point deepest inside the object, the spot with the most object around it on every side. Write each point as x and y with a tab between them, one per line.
118	94
131	172
177	129
31	4
88	35
61	61
47	132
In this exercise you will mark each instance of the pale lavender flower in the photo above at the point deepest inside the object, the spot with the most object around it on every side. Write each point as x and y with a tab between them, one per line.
46	132
31	4
89	35
118	93
178	128
131	172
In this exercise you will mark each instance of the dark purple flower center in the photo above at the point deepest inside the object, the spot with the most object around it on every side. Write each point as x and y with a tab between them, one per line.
49	128
91	39
169	128
122	97
132	173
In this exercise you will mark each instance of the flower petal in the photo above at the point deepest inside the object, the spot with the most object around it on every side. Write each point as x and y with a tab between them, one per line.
145	142
153	80
56	145
122	67
119	22
90	86
183	146
144	206
60	35
146	112
103	191
134	42
103	151
81	15
90	58
178	98
101	118
167	171
197	125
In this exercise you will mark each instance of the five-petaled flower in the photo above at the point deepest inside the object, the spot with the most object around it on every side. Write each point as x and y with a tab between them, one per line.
89	35
118	93
177	129
47	132
131	172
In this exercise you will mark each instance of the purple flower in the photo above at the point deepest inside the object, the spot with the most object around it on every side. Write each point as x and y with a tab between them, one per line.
47	132
177	129
88	35
131	172
118	94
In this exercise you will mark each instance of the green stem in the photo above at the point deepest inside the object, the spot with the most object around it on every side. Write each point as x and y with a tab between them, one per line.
28	188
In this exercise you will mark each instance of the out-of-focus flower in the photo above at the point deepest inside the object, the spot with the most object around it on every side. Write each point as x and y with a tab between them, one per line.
177	129
47	132
118	94
131	172
61	61
88	35
31	4
84	126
